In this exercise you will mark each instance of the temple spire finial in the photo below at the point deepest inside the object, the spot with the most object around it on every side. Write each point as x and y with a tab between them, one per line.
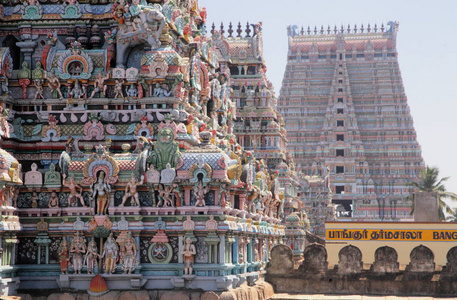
239	30
248	30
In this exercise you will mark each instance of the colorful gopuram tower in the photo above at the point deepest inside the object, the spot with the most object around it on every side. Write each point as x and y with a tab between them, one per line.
346	114
260	128
120	114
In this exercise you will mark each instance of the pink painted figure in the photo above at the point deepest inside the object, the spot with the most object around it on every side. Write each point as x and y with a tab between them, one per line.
73	194
77	249
188	253
131	192
99	84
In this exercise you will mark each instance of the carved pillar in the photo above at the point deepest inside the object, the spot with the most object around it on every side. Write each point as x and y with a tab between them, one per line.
180	243
212	240
27	45
42	240
222	258
187	197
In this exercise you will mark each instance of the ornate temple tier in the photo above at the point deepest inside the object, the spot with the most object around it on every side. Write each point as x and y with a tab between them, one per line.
123	129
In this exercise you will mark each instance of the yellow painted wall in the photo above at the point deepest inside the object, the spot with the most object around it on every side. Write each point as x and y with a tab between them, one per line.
403	237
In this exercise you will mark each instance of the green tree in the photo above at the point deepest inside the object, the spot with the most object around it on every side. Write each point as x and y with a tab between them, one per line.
452	217
429	182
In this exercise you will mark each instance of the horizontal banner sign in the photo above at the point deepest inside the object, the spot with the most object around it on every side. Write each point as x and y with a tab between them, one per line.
391	235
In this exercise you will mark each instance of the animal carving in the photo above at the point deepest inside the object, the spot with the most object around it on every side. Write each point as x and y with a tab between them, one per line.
126	38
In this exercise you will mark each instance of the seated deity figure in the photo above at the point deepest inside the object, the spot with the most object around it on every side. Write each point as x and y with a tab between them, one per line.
166	151
137	12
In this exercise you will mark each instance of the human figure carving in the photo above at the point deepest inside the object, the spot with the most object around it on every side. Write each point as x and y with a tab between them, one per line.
38	83
99	84
34	200
54	83
188	252
73	194
128	254
53	200
110	251
166	194
91	258
77	249
64	256
200	191
100	193
118	93
77	92
131	192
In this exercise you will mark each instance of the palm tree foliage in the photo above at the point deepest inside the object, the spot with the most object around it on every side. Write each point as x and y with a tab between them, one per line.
429	182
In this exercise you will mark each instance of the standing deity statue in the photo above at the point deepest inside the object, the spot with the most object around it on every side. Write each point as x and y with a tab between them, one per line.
188	253
118	93
39	89
128	254
91	258
100	193
64	256
200	191
131	192
77	249
110	251
54	83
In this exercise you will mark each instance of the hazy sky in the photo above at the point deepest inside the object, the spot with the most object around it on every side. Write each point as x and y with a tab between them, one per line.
426	43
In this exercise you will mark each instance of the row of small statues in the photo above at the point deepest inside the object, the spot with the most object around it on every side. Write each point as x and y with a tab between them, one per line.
88	256
124	252
78	91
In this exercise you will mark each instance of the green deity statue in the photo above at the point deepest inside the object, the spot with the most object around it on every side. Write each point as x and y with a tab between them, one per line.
166	150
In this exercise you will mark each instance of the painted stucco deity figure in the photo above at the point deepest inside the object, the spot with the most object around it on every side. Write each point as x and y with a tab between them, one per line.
118	93
99	84
73	193
92	256
54	83
166	194
53	200
131	192
64	256
100	193
110	251
38	83
200	191
128	254
77	249
166	150
137	11
77	92
34	200
188	253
